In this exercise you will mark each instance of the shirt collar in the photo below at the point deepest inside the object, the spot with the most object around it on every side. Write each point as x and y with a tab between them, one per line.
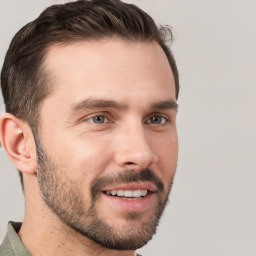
12	242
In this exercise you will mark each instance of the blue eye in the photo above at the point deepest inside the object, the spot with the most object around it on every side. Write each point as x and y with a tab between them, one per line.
98	119
156	120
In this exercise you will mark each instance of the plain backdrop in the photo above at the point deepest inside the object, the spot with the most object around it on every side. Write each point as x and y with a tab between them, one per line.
212	209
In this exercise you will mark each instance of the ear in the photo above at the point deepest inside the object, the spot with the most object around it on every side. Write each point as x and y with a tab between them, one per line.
18	141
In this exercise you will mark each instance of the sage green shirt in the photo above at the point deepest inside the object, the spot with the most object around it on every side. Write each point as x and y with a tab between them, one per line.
12	245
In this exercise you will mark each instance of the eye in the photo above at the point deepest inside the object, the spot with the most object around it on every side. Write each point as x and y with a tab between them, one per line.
156	120
98	119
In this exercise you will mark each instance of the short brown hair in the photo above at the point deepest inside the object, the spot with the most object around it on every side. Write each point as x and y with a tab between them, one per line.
24	82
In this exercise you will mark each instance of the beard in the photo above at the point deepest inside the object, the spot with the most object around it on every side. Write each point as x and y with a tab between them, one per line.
64	198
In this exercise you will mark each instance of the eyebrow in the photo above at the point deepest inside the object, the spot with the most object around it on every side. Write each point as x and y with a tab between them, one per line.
169	104
97	103
105	103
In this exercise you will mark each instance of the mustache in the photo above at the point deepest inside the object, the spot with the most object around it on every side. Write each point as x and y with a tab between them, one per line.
126	176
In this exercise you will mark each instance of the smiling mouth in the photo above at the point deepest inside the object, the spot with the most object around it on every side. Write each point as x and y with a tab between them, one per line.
129	194
130	197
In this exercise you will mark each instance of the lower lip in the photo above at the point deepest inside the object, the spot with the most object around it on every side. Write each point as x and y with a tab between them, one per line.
131	204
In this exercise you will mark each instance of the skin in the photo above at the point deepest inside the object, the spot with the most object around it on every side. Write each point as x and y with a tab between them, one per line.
135	75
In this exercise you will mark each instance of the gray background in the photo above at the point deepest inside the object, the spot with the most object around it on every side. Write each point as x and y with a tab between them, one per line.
212	210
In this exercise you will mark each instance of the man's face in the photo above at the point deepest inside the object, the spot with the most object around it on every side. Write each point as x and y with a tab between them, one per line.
107	146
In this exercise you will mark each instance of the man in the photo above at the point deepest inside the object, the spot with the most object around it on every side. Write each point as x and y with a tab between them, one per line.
90	89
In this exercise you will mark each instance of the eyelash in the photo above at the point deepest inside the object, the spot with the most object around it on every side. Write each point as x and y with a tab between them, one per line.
162	121
93	118
157	116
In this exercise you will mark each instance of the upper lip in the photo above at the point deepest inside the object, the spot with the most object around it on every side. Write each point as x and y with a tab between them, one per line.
132	186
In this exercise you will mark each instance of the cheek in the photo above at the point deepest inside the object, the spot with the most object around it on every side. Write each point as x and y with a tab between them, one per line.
85	158
165	146
167	153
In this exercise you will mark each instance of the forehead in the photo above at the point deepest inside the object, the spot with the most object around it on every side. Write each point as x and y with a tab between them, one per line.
108	68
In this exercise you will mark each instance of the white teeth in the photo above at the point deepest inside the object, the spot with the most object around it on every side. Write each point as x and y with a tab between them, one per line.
113	192
128	193
144	192
136	193
120	192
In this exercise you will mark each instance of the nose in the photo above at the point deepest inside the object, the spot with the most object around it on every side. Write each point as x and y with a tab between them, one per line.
133	149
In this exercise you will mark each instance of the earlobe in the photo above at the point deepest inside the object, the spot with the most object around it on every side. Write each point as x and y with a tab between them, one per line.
17	140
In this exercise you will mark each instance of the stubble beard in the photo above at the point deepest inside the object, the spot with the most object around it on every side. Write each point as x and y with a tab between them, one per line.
63	197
